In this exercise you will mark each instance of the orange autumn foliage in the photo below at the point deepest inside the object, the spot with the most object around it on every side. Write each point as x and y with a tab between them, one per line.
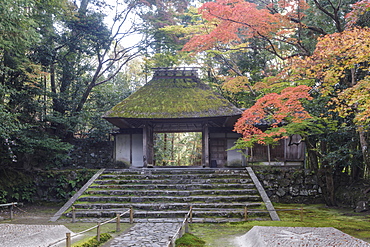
276	110
358	9
237	20
340	59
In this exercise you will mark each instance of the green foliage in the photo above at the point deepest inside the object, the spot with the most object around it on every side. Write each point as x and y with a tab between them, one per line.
181	149
93	242
3	198
39	149
66	183
189	240
16	186
24	186
18	30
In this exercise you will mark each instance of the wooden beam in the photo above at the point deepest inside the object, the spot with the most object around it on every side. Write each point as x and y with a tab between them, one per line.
148	144
145	146
205	142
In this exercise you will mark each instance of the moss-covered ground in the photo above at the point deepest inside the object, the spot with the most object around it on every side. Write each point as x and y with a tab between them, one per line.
220	235
354	224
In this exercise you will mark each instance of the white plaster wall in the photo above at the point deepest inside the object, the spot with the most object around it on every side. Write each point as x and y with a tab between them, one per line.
137	150
122	152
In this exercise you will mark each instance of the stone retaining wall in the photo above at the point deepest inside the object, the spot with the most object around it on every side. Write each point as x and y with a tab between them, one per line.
289	184
91	155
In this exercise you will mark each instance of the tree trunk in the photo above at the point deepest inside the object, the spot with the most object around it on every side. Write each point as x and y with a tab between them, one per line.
165	140
324	171
327	174
365	154
313	159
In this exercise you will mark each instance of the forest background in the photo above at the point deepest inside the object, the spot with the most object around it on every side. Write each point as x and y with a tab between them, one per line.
302	66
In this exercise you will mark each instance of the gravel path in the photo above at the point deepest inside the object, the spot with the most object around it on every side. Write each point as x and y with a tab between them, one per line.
21	235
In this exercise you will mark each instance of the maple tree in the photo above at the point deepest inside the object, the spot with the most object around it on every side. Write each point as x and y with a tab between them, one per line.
359	10
310	44
280	112
339	68
339	65
241	35
282	26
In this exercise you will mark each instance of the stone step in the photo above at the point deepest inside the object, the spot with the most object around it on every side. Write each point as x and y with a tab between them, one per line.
175	181
171	176
164	206
210	192
153	199
173	186
166	194
171	170
111	213
167	220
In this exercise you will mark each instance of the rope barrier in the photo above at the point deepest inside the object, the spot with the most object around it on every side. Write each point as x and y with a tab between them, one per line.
21	209
184	223
89	229
8	204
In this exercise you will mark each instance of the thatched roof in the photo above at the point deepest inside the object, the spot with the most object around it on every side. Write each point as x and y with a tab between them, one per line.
173	94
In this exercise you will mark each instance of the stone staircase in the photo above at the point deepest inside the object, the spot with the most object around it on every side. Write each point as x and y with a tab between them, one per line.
166	194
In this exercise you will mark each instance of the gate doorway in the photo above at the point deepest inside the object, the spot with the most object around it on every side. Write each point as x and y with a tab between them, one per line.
177	149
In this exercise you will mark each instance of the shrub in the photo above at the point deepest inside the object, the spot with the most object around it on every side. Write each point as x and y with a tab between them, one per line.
189	240
93	242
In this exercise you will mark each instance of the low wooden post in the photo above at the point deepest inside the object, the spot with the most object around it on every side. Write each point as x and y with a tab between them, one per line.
68	239
98	233
11	211
118	223
245	213
73	214
302	213
191	213
131	215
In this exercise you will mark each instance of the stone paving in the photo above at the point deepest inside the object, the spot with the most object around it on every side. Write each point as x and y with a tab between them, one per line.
266	236
145	235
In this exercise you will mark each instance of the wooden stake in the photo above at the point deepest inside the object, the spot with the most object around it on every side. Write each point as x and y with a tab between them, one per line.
73	214
98	233
131	215
245	213
11	212
302	213
191	213
68	239
118	223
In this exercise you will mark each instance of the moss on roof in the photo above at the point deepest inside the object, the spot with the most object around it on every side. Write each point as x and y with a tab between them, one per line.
173	97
